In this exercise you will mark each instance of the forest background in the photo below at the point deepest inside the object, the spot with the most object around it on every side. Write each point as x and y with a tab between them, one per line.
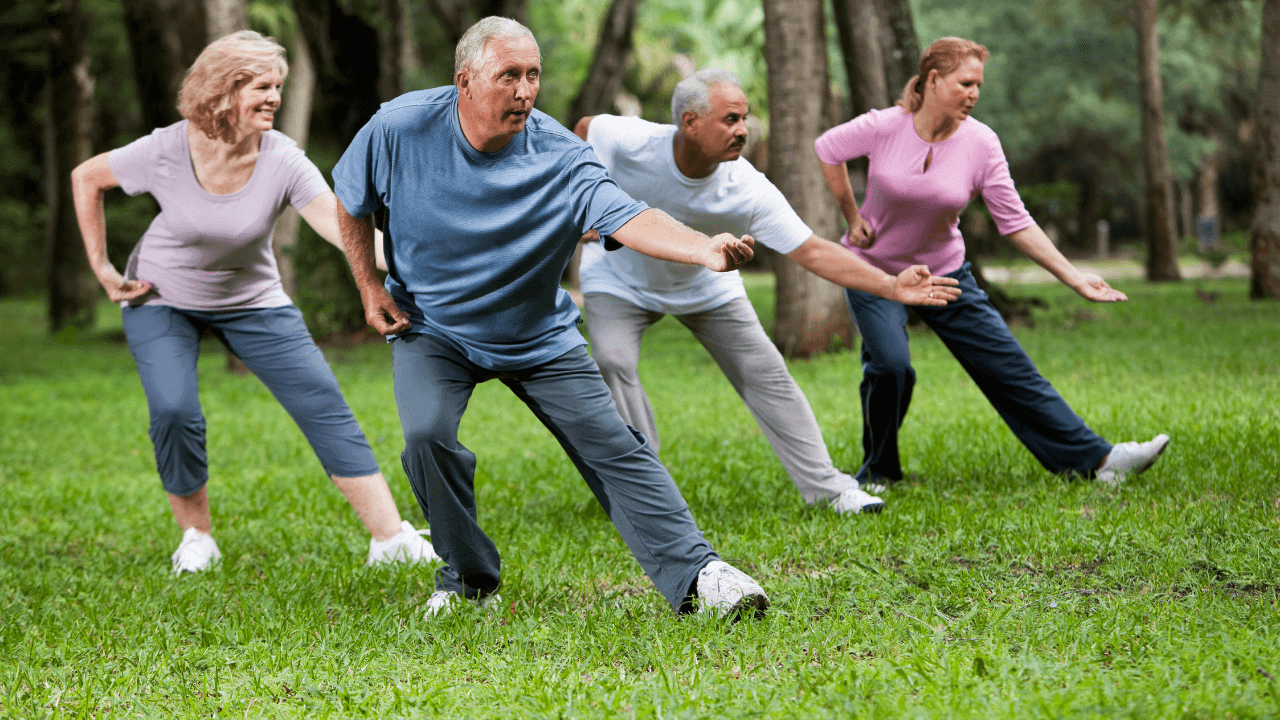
1064	91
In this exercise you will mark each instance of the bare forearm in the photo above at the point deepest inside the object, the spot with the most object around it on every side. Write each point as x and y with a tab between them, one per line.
357	244
837	177
1036	245
831	262
657	234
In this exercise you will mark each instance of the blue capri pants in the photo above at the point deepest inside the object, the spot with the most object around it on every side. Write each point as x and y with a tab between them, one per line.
277	347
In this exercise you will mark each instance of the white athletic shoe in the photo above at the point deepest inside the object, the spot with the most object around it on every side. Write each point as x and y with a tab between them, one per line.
409	545
1131	458
196	552
725	590
855	500
443	602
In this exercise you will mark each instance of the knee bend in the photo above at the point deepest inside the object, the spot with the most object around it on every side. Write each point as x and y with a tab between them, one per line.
429	436
899	368
615	366
170	417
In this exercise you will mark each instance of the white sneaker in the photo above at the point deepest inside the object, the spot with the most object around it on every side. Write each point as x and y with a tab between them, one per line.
855	500
196	552
726	590
442	602
409	545
1131	458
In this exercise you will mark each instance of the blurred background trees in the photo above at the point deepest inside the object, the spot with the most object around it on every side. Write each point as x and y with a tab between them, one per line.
1064	90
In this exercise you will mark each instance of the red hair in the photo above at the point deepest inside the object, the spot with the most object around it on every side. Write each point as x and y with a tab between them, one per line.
210	91
945	55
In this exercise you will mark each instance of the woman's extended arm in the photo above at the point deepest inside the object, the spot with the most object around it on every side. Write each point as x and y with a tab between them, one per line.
322	215
1036	245
89	181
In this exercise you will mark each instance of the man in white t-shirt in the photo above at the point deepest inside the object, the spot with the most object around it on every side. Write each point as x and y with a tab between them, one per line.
694	171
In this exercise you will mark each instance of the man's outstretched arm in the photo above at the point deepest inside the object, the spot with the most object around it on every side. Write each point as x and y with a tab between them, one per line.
380	311
657	234
913	286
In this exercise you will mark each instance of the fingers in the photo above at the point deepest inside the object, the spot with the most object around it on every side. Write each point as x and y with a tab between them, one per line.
383	315
591	236
940	280
129	290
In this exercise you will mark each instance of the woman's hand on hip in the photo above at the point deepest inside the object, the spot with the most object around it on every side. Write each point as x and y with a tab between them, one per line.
1093	287
860	234
119	289
916	286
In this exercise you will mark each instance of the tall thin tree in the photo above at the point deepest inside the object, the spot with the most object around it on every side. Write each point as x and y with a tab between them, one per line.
1265	243
613	50
295	121
811	312
68	111
1162	238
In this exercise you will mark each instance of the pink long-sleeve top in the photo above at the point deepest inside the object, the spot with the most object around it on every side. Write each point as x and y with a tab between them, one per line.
914	212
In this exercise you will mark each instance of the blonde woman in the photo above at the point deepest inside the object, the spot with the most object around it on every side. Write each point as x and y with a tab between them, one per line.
222	176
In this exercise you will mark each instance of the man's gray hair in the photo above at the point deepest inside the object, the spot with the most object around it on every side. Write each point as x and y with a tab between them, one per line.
467	55
694	92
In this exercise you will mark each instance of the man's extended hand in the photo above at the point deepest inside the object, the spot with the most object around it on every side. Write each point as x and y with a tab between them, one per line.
915	286
382	313
730	253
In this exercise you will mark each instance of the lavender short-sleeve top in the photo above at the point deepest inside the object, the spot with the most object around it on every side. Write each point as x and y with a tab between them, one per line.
205	251
915	212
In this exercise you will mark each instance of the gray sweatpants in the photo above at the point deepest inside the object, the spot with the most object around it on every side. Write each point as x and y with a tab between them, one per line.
739	345
434	382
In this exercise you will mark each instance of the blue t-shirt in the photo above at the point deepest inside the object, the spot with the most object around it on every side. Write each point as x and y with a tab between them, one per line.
477	242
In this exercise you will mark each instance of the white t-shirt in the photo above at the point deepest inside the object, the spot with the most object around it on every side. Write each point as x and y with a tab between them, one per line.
736	199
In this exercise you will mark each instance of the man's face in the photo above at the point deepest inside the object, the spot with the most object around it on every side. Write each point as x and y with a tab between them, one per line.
501	91
721	132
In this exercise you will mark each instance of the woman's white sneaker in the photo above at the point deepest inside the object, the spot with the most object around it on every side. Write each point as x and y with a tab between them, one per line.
725	590
408	545
1131	458
855	500
196	552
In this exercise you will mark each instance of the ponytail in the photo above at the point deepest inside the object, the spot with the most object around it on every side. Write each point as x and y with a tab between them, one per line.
912	95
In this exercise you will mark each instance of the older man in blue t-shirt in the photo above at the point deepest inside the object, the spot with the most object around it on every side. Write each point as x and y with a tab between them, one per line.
486	198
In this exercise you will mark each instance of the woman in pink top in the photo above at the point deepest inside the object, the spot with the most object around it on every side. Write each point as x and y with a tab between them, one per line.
928	160
222	176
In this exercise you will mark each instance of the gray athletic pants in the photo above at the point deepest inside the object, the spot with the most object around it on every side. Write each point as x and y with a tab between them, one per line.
433	384
739	345
275	344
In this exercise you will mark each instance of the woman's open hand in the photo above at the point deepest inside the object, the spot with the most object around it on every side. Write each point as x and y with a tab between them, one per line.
1092	287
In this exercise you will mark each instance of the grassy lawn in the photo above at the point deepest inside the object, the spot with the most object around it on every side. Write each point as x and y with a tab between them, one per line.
988	588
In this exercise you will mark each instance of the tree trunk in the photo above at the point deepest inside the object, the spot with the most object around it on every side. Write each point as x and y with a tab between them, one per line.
613	50
68	119
1208	227
1265	243
859	25
811	312
392	32
899	45
223	17
1162	250
455	16
165	37
295	121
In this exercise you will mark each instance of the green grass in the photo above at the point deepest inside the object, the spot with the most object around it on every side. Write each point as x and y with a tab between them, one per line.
988	588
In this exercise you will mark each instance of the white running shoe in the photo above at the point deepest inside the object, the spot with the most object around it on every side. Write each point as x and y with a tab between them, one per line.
726	590
443	602
196	552
409	545
855	500
1131	458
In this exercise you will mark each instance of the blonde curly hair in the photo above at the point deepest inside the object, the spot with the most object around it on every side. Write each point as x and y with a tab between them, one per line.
210	91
